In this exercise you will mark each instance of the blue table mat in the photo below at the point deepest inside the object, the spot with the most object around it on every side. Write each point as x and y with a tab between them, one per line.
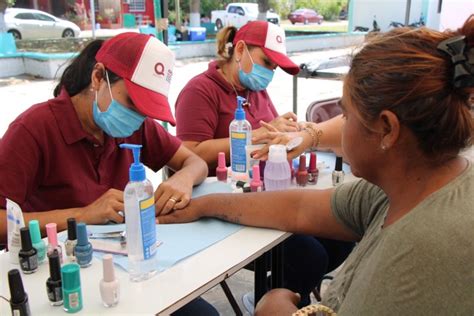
179	241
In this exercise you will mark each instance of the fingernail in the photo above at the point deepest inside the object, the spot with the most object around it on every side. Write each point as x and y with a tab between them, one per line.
157	221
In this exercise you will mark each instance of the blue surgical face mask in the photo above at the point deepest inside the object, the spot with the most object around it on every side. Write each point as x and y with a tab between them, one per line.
258	78
118	120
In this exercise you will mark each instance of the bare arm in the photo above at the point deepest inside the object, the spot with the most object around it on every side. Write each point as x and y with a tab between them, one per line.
209	149
298	211
330	138
175	193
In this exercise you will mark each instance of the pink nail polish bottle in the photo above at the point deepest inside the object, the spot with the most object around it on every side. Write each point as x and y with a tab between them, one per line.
256	185
302	174
221	170
109	285
51	231
313	170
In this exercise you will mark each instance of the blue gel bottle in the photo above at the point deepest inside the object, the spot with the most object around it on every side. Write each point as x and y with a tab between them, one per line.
83	249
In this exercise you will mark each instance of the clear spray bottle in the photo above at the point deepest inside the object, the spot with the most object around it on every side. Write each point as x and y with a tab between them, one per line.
140	224
240	134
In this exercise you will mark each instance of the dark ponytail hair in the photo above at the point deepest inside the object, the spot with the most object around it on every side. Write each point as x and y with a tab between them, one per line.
77	76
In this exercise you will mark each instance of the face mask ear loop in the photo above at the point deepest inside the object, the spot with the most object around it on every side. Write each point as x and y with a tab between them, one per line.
247	50
108	84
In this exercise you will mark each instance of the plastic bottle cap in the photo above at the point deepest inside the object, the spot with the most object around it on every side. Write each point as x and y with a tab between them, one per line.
256	173
137	170
71	229
312	161
35	231
302	165
17	292
338	164
277	153
239	112
25	239
54	266
221	160
82	238
70	276
51	231
108	268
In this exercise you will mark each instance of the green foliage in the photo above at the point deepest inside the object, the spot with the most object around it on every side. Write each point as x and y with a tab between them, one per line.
330	10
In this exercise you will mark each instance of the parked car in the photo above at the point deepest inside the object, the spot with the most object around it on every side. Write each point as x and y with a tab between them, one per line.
238	14
305	16
28	23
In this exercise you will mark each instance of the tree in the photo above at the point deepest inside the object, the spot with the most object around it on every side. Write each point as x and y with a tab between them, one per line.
263	7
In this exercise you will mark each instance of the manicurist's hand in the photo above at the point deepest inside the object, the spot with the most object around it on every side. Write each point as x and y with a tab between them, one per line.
273	137
104	209
286	122
173	194
278	302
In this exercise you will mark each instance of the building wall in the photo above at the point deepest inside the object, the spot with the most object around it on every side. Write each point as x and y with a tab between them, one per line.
452	14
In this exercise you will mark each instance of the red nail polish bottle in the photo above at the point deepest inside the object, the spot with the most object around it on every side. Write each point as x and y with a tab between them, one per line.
302	174
256	184
221	170
313	170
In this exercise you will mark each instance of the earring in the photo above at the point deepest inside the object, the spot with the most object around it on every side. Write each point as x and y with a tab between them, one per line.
383	147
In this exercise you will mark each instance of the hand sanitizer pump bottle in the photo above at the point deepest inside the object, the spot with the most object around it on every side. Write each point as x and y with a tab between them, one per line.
240	134
140	224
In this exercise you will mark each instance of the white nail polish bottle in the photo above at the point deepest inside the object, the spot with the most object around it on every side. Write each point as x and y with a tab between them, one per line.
109	285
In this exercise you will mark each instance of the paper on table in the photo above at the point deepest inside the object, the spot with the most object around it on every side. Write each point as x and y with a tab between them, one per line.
180	240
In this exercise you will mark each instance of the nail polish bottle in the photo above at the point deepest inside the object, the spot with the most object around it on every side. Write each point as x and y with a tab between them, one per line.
71	239
19	299
313	171
109	285
256	185
302	173
51	231
338	173
83	249
221	170
72	294
28	255
54	284
38	243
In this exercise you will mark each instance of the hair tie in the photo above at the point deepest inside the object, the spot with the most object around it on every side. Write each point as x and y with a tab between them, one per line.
462	58
229	48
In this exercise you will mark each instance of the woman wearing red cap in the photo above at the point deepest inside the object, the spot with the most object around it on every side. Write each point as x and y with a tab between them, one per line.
206	106
61	158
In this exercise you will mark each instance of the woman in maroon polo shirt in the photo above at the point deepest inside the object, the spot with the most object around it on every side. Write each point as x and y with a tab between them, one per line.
61	158
206	106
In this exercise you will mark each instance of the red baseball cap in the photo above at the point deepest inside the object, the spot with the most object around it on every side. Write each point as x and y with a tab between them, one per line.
146	66
271	38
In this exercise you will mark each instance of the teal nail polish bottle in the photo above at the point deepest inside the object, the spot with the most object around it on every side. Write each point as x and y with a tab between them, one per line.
72	294
36	240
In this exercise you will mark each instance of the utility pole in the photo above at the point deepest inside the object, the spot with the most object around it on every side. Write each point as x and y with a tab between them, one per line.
161	19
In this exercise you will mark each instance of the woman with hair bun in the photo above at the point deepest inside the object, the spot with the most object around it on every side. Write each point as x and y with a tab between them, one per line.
408	115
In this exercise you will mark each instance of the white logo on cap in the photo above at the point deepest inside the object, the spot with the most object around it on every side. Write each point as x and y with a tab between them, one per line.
275	39
155	67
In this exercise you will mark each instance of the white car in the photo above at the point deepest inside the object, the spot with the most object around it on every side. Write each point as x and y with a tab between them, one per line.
28	23
238	14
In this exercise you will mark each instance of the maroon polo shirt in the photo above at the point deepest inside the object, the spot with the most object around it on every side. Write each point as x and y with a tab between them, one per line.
47	161
206	106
